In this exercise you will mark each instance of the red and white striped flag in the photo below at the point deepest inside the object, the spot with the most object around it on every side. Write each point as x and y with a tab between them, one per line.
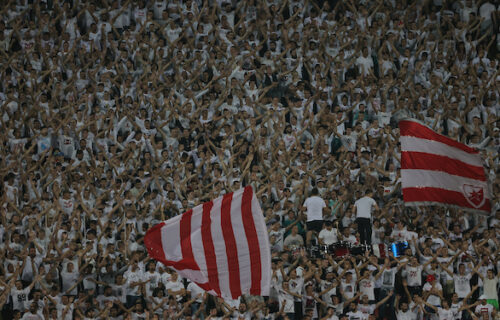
221	245
438	170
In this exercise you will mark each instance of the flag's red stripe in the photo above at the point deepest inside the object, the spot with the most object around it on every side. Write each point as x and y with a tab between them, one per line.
208	246
153	243
252	239
415	129
231	248
429	161
441	195
185	234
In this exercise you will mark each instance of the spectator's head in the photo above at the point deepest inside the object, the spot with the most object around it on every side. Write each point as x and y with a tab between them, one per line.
431	278
314	191
33	307
403	306
353	307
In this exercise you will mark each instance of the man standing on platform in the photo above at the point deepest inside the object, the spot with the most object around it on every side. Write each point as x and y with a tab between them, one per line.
314	206
363	210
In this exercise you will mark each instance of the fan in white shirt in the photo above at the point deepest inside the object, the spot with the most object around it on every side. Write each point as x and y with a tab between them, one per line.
462	279
433	291
175	287
363	209
153	278
445	312
355	314
366	285
134	278
286	298
328	235
405	311
196	292
315	207
368	308
413	273
484	310
19	295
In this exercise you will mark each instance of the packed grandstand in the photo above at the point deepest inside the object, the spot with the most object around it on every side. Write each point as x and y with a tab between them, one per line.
117	115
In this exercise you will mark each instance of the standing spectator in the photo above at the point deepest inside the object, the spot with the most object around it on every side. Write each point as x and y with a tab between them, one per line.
363	208
490	283
484	309
315	207
433	291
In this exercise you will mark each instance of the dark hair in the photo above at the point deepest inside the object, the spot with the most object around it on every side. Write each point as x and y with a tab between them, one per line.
314	191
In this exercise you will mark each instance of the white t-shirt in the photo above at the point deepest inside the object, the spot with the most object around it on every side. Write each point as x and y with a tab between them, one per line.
389	277
490	288
364	65
358	315
286	300
325	285
457	315
414	276
364	207
133	277
31	316
314	207
154	279
196	292
484	309
309	303
384	118
328	236
462	285
445	314
432	299
60	309
296	286
348	288
485	10
408	315
367	286
175	286
120	291
68	280
19	299
367	309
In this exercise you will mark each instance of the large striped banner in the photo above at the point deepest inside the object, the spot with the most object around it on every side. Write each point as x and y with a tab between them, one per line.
438	170
221	245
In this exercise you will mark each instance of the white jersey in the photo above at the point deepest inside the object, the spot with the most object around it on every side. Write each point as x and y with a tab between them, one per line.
364	207
444	314
414	276
20	299
314	207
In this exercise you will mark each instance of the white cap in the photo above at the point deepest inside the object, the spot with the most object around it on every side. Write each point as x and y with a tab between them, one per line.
482	297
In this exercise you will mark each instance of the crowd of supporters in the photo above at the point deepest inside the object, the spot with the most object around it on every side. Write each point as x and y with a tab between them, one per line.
116	115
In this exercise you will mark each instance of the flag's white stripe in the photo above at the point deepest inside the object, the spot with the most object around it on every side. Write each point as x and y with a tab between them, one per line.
265	253
437	179
171	239
430	146
220	248
197	241
241	242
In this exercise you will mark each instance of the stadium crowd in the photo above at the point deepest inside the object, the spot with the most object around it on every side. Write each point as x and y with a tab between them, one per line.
117	115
